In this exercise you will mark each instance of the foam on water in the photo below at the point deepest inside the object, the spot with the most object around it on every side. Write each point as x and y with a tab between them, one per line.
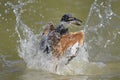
28	47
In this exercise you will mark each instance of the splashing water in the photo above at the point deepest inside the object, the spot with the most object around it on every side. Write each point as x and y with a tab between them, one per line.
102	32
29	45
100	19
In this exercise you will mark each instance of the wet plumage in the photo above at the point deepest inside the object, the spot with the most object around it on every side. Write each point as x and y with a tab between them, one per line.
57	40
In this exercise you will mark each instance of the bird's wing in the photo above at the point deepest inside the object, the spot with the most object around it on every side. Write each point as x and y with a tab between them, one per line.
48	28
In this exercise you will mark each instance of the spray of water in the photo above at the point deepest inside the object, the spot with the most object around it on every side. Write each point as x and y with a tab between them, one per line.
29	43
102	32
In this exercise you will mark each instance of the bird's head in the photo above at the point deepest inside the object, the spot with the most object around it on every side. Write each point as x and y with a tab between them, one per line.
69	19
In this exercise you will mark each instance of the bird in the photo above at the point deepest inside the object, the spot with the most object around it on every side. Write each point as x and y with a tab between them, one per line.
57	40
67	19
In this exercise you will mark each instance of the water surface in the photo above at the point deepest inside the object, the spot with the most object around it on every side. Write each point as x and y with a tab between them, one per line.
100	22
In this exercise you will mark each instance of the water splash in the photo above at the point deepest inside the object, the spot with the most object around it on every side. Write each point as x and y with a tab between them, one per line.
29	43
102	28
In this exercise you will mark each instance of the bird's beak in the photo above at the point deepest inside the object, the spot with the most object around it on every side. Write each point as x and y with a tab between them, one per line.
75	21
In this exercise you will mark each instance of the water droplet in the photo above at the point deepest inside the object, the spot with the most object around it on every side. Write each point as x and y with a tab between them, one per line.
101	25
5	4
2	18
118	32
7	30
19	1
34	11
108	40
6	19
6	11
100	16
14	11
101	3
41	16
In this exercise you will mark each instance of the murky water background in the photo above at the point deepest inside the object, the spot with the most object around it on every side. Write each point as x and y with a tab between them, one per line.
21	22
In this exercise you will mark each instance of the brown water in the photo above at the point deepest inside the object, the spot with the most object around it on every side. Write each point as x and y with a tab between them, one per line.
103	42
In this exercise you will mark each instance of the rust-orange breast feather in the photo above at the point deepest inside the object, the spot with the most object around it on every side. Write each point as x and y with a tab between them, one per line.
67	41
